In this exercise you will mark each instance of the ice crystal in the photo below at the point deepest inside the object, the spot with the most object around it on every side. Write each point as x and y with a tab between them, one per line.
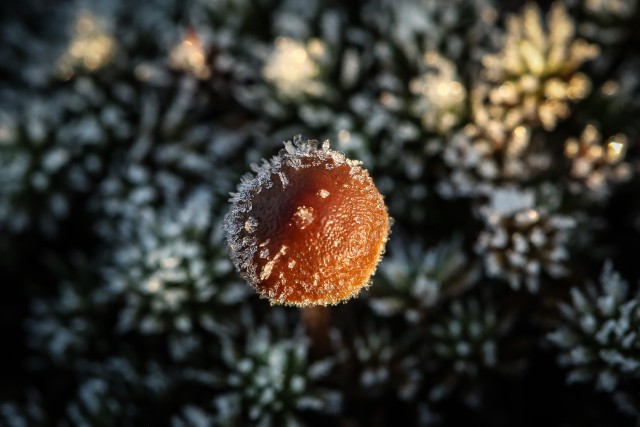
481	157
51	149
440	95
413	280
59	327
599	341
189	55
91	47
293	68
381	366
193	416
464	342
594	164
616	8
521	240
170	271
106	394
606	19
535	76
416	27
23	414
270	381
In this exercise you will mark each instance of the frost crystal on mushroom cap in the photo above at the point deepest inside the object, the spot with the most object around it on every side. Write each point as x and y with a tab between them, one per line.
309	228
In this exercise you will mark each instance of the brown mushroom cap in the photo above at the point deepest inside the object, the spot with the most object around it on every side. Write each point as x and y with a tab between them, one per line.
309	228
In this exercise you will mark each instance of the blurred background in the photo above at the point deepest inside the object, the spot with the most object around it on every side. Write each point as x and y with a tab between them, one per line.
503	135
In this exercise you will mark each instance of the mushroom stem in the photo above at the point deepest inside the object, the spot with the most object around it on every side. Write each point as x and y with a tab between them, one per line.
317	323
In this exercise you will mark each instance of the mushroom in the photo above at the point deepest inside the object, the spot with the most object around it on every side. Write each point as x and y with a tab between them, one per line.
308	228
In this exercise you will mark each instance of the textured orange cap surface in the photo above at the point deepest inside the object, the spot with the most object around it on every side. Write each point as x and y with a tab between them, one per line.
308	228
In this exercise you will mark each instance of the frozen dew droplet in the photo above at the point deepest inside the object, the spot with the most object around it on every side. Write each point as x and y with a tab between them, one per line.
250	224
266	271
304	216
317	238
323	193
